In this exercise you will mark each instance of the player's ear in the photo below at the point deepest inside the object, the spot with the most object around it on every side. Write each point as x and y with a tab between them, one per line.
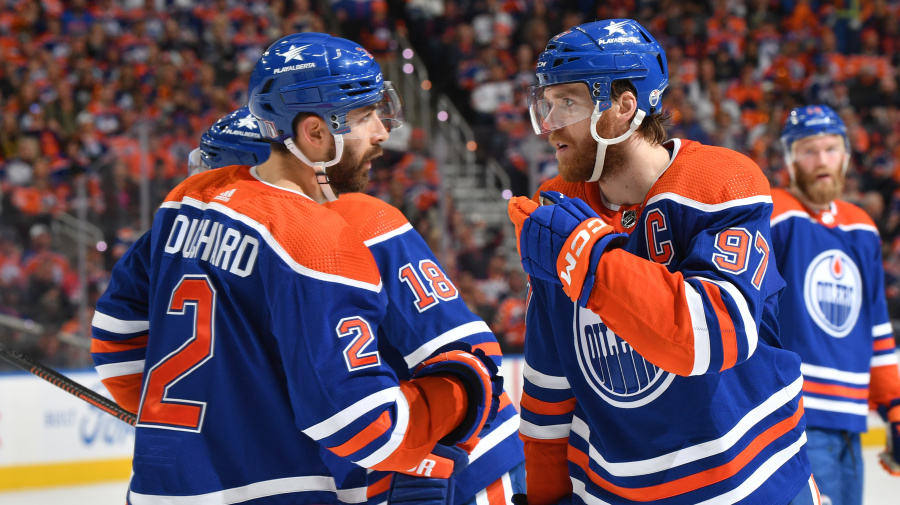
313	132
628	105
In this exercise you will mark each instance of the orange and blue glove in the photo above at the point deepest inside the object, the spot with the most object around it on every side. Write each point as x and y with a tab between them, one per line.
484	385
562	243
890	458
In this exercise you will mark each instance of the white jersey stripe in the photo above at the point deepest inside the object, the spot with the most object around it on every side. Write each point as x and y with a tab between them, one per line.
701	330
113	325
880	330
842	407
787	215
549	432
749	323
255	491
120	369
545	381
396	436
389	235
833	374
510	427
884	360
460	332
710	207
343	418
692	453
276	247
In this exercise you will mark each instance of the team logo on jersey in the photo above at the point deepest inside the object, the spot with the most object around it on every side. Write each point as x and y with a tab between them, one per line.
614	370
832	290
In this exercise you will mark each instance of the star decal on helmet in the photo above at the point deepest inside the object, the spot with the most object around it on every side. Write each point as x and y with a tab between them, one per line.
247	122
294	53
616	28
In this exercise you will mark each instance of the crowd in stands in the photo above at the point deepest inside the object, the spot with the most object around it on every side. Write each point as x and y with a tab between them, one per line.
83	85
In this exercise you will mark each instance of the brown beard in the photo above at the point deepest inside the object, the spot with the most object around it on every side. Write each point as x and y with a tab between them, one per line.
348	175
581	166
819	192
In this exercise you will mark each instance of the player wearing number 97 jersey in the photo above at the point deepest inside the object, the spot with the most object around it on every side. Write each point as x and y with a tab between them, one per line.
654	371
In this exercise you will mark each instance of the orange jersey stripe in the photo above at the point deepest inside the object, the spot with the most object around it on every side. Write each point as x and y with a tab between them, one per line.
726	325
364	437
829	389
495	493
546	471
125	390
697	480
379	486
546	408
489	348
883	344
98	346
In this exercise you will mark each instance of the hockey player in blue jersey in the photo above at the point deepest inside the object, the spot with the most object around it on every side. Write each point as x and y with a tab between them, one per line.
424	310
833	312
242	329
653	370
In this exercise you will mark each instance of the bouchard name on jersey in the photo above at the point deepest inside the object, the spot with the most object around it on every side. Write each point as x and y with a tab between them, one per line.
670	385
263	310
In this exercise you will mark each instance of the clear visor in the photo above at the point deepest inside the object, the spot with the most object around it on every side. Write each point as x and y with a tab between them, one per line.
196	163
377	119
555	107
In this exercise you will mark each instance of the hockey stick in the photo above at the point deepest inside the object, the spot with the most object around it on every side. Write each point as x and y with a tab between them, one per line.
68	385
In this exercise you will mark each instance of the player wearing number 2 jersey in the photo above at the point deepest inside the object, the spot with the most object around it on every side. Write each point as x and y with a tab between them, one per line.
424	313
653	370
242	329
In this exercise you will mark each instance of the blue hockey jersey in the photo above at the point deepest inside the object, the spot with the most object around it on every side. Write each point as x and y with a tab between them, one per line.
262	309
424	313
834	313
670	386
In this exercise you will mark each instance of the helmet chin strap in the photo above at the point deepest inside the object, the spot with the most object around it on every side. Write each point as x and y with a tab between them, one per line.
320	166
602	143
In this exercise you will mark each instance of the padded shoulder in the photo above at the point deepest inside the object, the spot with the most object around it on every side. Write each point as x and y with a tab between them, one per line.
570	189
298	229
369	216
785	202
711	175
850	214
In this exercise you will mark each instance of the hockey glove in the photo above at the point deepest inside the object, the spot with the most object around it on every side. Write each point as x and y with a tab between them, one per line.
562	243
431	482
484	385
890	458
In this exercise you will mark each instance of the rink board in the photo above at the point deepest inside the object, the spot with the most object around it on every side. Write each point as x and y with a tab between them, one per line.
49	437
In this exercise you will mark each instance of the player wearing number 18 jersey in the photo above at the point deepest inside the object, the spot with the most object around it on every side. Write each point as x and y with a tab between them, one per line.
242	329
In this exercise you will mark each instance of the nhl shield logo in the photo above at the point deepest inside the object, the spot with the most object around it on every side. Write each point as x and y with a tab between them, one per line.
832	290
618	374
629	218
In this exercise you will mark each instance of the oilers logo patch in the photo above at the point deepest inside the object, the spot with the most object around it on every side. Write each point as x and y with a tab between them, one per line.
618	374
832	289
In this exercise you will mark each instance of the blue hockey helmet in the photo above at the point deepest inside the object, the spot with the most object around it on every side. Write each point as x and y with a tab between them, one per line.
812	120
597	54
321	74
233	140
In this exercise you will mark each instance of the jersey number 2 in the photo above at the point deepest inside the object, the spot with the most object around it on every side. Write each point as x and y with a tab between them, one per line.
157	408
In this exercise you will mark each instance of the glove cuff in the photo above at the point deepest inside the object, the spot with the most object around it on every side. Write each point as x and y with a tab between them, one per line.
577	260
